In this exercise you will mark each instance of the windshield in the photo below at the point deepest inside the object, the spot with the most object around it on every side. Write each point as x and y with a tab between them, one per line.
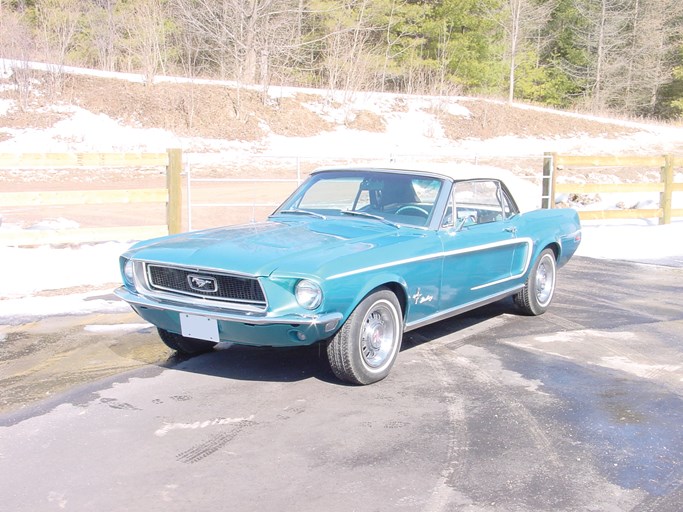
400	199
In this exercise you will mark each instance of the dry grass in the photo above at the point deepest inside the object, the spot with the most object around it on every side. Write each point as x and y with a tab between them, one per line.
214	111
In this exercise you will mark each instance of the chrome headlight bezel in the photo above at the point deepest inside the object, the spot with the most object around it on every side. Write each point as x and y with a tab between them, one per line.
128	270
309	294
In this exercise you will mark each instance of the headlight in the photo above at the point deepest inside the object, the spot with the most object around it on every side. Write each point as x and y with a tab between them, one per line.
129	272
308	294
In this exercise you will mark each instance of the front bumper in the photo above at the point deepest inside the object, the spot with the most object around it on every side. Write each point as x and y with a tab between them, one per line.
260	329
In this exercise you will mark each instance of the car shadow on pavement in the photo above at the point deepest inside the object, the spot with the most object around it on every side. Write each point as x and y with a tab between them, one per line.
293	364
271	364
454	327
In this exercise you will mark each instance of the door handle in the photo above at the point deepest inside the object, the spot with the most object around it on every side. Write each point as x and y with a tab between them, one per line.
511	229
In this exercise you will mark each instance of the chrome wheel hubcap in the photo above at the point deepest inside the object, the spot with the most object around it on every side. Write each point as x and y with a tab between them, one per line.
378	336
545	280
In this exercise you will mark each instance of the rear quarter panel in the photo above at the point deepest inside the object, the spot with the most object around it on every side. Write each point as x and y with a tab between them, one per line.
559	228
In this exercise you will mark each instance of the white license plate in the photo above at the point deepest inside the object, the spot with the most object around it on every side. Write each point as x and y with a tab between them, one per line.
199	327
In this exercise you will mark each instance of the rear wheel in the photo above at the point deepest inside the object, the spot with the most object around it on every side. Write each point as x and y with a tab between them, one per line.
539	288
185	345
365	348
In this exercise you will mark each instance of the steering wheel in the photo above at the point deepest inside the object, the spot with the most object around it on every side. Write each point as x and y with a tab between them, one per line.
412	210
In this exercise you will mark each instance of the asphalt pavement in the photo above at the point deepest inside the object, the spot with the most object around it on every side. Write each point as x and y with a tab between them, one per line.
579	409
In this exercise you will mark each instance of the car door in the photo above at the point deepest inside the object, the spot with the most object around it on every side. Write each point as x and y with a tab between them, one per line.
482	252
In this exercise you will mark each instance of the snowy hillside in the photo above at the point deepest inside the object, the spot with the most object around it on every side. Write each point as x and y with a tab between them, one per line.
404	125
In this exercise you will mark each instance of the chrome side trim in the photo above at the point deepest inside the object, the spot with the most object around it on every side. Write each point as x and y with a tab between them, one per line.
135	299
517	276
441	254
442	315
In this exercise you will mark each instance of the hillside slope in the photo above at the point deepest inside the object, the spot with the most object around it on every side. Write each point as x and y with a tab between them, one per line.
217	124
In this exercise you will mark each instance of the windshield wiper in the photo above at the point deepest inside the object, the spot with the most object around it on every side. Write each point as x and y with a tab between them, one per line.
304	212
370	216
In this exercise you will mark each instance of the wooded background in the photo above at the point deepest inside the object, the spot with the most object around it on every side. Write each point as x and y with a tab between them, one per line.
602	56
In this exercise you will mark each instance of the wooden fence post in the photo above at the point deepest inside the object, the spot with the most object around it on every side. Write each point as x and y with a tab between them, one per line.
174	205
665	197
549	168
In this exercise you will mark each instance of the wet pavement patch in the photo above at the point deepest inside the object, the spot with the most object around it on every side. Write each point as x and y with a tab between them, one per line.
630	425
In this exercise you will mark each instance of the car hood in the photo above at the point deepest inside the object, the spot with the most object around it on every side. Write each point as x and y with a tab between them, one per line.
300	247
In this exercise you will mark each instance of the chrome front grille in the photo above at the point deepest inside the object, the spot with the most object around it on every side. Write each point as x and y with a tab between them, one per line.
205	284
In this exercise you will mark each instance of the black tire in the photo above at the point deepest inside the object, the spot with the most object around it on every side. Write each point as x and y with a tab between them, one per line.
539	288
365	348
184	345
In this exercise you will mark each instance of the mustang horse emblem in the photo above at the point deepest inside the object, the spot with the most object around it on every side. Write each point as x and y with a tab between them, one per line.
202	283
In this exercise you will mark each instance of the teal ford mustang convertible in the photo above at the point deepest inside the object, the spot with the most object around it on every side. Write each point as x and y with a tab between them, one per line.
353	259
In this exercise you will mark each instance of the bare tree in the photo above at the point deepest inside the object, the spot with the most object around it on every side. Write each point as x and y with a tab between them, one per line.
601	37
239	38
655	36
16	42
629	45
57	24
390	42
522	18
146	37
351	48
103	24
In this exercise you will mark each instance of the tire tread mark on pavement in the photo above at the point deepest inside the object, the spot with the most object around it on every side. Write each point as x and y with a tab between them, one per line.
562	322
457	438
597	302
517	410
212	445
443	492
116	404
445	496
458	338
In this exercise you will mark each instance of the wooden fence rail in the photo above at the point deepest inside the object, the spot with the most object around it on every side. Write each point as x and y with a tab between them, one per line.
554	163
171	195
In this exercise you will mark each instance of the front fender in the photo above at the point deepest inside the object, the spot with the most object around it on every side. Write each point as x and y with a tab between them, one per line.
344	294
394	282
416	288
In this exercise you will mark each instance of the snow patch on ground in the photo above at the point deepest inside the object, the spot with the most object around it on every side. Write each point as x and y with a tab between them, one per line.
26	309
83	130
25	271
635	240
5	105
117	328
580	336
54	224
625	364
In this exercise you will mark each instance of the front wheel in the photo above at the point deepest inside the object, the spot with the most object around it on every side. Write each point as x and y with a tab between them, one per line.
539	288
184	345
365	348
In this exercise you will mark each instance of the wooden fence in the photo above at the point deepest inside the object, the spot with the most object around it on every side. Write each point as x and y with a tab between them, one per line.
171	195
554	163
